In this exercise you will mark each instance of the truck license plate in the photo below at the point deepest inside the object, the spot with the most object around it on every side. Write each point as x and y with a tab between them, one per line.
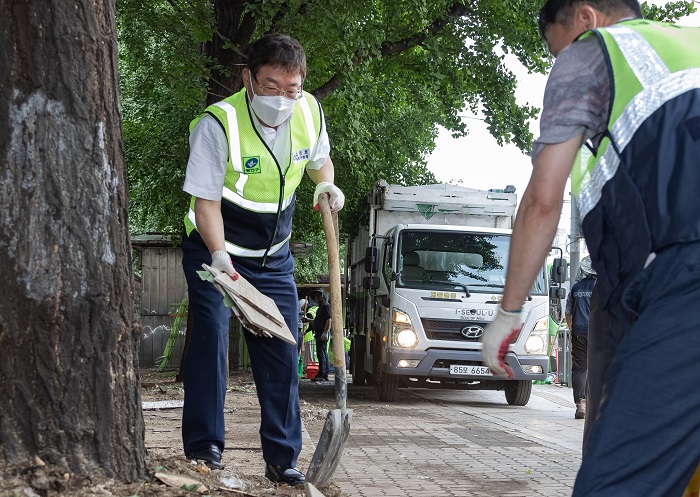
470	370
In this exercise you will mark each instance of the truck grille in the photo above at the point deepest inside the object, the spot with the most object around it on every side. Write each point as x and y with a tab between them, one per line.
439	329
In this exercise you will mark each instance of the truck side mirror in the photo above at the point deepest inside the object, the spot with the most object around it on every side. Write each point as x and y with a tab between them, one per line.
557	292
558	272
370	282
371	260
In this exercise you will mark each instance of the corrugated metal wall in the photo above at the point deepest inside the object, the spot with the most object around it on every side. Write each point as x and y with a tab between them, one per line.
163	284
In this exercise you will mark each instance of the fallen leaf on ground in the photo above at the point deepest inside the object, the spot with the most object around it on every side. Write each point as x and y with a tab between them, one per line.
182	482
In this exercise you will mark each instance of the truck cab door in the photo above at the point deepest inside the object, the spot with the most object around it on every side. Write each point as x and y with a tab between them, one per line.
388	273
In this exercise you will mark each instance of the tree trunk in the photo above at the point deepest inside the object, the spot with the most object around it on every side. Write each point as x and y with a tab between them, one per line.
69	382
234	27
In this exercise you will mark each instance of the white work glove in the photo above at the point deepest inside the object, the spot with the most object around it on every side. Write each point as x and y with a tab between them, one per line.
336	199
222	261
497	337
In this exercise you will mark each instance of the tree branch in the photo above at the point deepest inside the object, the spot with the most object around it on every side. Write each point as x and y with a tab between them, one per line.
390	48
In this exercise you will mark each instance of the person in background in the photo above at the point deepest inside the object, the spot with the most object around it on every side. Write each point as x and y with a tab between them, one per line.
578	308
630	89
322	330
248	154
301	323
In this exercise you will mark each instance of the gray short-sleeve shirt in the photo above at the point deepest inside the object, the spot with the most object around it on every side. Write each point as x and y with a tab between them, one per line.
577	96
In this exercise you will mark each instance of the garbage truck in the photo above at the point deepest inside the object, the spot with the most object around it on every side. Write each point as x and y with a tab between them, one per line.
425	276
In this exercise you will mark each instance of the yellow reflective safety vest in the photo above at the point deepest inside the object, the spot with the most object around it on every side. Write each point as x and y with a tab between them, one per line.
259	193
637	193
308	332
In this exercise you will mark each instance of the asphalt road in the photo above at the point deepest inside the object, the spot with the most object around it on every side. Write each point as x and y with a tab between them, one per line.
457	443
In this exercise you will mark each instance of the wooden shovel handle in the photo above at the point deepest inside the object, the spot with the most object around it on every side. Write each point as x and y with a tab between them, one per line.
330	228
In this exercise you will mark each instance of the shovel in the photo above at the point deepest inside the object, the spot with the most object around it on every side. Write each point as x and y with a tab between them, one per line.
337	427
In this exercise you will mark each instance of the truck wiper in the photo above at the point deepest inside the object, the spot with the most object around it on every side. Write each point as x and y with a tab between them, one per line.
473	275
452	283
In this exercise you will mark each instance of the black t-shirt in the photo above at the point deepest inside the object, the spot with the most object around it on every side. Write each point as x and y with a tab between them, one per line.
323	314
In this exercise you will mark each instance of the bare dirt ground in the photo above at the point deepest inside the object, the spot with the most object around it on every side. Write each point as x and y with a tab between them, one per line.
244	469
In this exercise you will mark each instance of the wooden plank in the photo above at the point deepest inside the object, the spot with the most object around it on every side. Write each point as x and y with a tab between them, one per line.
245	291
257	319
259	322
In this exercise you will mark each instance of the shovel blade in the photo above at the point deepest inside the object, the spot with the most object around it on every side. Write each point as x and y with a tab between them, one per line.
330	447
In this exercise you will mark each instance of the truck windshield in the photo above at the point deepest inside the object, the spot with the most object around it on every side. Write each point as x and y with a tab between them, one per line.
432	260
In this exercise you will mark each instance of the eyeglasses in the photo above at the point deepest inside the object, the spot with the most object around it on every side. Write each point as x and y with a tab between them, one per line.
273	91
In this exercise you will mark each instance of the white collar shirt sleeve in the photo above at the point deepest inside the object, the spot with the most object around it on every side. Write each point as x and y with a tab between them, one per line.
208	161
322	151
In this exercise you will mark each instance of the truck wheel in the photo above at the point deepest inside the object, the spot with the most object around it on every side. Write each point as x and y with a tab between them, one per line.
387	386
518	392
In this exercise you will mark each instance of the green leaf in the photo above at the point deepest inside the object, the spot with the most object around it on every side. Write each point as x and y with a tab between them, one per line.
398	70
191	487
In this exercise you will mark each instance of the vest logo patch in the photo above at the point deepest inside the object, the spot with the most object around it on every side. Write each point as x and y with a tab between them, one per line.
251	165
300	155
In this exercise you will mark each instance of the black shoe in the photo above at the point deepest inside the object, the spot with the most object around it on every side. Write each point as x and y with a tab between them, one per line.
209	453
280	474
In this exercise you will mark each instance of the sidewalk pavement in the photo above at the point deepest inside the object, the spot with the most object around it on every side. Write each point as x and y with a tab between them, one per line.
460	443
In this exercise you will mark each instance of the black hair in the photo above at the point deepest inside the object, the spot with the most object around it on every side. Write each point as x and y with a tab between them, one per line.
277	50
560	11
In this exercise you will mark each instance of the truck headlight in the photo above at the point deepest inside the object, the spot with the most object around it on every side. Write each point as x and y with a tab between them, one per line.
536	343
403	333
406	338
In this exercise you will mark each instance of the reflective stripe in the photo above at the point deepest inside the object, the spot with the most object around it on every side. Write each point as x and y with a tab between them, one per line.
650	100
244	252
639	109
190	216
645	63
263	207
234	144
659	86
309	118
591	190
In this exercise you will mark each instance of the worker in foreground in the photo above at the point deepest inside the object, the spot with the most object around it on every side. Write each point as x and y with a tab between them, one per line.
630	89
248	154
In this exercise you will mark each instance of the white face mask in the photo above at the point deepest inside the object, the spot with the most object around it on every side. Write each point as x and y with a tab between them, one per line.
272	111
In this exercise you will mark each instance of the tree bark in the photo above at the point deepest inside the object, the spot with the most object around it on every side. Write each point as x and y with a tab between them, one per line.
69	381
234	29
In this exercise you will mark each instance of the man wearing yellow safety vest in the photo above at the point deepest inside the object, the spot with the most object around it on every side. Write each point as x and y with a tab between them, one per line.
248	154
629	89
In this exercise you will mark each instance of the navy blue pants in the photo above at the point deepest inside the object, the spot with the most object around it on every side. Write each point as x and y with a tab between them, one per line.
579	365
273	361
646	438
324	367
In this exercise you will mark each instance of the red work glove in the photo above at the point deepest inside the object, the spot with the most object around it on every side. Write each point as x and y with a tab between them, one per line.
222	261
497	337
